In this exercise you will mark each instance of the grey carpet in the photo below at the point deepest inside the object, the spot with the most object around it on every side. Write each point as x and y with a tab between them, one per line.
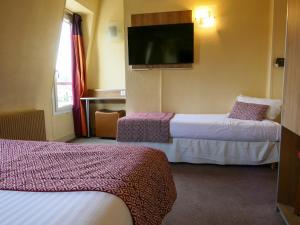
220	195
224	195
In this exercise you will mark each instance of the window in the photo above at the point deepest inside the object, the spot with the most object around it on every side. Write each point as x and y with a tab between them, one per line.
63	94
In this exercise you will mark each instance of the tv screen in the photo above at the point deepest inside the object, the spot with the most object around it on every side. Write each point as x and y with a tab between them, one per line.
161	44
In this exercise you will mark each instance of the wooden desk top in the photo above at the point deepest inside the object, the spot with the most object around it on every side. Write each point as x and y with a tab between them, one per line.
102	98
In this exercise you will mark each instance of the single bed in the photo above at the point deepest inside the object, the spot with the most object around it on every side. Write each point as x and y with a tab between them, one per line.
218	139
63	184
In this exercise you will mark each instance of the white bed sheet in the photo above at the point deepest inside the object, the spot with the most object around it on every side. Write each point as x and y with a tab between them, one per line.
220	127
62	208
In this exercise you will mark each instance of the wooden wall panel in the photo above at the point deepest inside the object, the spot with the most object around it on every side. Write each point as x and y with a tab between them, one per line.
148	19
291	106
115	93
108	96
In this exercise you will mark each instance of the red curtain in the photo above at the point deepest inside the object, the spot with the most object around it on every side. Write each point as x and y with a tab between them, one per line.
79	77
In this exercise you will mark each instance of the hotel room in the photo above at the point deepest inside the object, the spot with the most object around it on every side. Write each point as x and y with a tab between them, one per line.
136	112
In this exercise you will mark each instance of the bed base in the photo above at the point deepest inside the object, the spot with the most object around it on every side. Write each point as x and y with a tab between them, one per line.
199	151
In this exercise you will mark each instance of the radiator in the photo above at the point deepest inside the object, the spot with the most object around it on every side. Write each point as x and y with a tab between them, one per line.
26	125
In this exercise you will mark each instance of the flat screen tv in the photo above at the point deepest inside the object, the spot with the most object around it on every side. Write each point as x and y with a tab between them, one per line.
161	44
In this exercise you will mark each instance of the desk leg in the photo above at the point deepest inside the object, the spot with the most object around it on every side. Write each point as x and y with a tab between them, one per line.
87	116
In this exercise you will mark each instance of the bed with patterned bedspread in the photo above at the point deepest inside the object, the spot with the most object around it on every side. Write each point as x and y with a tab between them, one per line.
140	177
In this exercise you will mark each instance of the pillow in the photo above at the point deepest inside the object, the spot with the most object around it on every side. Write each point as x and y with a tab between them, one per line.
248	111
274	105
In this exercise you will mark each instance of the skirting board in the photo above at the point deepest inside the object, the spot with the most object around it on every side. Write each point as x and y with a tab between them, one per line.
67	138
287	214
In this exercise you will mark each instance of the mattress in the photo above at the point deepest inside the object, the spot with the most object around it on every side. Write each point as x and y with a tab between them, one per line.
62	208
220	127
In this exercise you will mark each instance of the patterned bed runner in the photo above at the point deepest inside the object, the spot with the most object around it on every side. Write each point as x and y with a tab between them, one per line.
140	176
145	127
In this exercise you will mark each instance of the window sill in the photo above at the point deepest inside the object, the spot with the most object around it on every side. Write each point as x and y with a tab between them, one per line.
61	111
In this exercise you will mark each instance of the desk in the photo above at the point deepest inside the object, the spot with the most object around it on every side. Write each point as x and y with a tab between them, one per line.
87	101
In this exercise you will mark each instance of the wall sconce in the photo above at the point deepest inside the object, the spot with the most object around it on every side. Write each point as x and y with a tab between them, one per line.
204	18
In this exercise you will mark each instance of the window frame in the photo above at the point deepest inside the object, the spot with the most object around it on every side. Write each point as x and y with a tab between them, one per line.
68	108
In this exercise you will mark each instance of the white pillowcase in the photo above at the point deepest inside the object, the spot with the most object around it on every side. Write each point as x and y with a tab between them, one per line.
274	105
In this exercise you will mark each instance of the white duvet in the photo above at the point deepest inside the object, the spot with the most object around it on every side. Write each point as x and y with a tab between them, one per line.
62	208
220	127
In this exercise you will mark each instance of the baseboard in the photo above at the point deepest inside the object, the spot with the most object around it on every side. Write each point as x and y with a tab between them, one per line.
67	138
287	214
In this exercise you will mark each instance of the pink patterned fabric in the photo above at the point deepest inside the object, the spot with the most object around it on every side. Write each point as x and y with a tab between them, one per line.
248	111
145	127
140	176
